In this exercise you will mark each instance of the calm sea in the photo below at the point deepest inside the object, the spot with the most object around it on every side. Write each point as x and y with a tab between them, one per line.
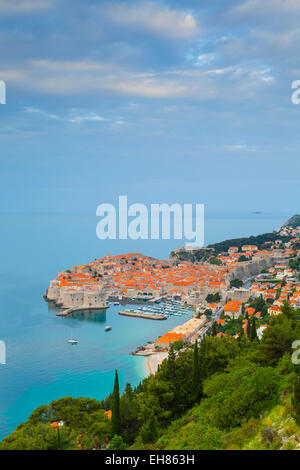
41	365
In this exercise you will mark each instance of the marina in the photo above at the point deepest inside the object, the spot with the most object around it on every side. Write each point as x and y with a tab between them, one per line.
161	311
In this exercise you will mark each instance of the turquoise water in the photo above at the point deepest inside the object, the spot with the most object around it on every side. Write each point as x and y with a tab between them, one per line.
41	365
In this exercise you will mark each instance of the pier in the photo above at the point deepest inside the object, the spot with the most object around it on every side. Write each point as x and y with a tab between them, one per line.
68	311
147	316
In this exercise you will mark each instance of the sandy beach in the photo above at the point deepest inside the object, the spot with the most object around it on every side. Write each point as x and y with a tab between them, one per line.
154	360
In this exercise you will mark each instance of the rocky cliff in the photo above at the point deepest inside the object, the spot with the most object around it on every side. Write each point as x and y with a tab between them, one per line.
293	221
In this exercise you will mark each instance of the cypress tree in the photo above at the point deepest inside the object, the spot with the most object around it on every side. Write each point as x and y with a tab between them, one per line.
241	336
115	408
214	329
196	385
248	326
253	334
171	364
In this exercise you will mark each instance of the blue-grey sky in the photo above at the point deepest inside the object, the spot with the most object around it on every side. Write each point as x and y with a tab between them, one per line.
179	101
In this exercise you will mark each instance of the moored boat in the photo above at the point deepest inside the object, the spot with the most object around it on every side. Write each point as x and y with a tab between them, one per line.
72	341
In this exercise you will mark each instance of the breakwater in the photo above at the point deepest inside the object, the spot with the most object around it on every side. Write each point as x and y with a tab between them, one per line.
147	316
69	311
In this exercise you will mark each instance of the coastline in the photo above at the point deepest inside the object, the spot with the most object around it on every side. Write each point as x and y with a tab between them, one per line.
57	360
154	360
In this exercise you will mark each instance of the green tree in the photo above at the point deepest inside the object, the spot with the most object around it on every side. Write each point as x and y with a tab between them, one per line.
289	311
115	408
216	353
296	400
129	414
294	263
39	436
171	364
157	397
248	326
177	345
236	283
253	334
211	298
149	430
244	391
241	337
277	339
117	443
258	304
196	387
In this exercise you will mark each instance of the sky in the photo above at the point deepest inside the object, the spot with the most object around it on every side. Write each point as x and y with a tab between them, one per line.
179	101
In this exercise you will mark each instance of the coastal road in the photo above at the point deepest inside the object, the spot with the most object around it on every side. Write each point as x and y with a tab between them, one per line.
207	327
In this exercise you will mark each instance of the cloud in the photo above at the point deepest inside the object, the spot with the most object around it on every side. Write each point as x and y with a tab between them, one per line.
79	78
154	18
31	110
239	148
204	59
74	116
24	6
92	117
262	7
264	75
72	66
272	15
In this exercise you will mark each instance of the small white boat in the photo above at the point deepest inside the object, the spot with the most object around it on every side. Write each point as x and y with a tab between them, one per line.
116	303
107	328
72	341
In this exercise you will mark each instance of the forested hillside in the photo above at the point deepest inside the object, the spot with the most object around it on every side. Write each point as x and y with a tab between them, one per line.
224	393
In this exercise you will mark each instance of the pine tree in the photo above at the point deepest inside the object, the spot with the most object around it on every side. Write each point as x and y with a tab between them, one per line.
115	407
253	334
289	311
128	392
149	430
117	443
171	364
